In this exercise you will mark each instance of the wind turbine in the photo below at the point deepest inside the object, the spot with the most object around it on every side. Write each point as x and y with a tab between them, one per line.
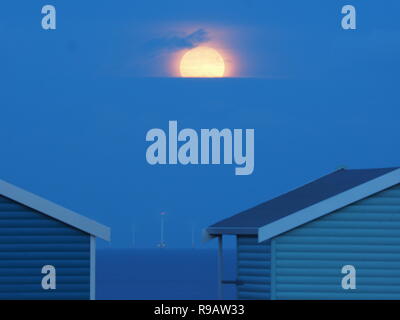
133	236
162	243
193	236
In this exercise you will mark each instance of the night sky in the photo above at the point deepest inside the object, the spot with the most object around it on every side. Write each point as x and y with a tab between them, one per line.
76	103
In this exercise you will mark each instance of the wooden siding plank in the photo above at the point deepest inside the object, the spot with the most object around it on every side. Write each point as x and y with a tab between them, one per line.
253	268
366	234
28	241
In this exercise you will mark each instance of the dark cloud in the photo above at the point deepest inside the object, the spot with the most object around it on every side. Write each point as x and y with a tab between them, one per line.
178	41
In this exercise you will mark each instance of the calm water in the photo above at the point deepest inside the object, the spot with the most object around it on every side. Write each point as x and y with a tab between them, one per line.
162	274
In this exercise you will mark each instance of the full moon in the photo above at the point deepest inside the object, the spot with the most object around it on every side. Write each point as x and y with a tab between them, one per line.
202	62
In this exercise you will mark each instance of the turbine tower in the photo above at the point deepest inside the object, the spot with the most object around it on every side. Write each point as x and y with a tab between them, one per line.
133	236
193	236
162	243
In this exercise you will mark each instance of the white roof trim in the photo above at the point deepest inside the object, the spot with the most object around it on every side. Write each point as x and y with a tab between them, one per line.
55	211
329	205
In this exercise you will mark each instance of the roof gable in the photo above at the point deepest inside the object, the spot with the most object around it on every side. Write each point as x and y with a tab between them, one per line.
53	210
308	202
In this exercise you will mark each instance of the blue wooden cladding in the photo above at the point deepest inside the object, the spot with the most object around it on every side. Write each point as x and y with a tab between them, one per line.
306	262
337	237
46	251
253	268
365	234
28	241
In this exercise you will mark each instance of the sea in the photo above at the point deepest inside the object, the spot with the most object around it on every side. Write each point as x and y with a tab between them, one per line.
162	274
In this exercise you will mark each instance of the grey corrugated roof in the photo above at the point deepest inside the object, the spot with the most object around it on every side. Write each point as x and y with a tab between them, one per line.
249	221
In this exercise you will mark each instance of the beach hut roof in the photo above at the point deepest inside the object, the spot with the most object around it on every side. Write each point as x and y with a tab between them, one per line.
53	210
306	203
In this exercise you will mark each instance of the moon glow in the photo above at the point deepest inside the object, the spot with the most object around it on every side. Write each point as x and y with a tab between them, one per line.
202	62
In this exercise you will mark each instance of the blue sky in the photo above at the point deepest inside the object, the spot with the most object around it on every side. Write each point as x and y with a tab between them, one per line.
76	104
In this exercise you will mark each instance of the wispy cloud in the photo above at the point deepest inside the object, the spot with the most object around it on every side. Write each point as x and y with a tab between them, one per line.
174	42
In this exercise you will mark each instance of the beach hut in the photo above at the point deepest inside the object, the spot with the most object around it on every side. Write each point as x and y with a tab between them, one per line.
46	251
337	237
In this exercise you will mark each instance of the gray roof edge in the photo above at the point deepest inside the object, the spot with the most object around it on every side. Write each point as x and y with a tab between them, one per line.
329	205
54	210
232	230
